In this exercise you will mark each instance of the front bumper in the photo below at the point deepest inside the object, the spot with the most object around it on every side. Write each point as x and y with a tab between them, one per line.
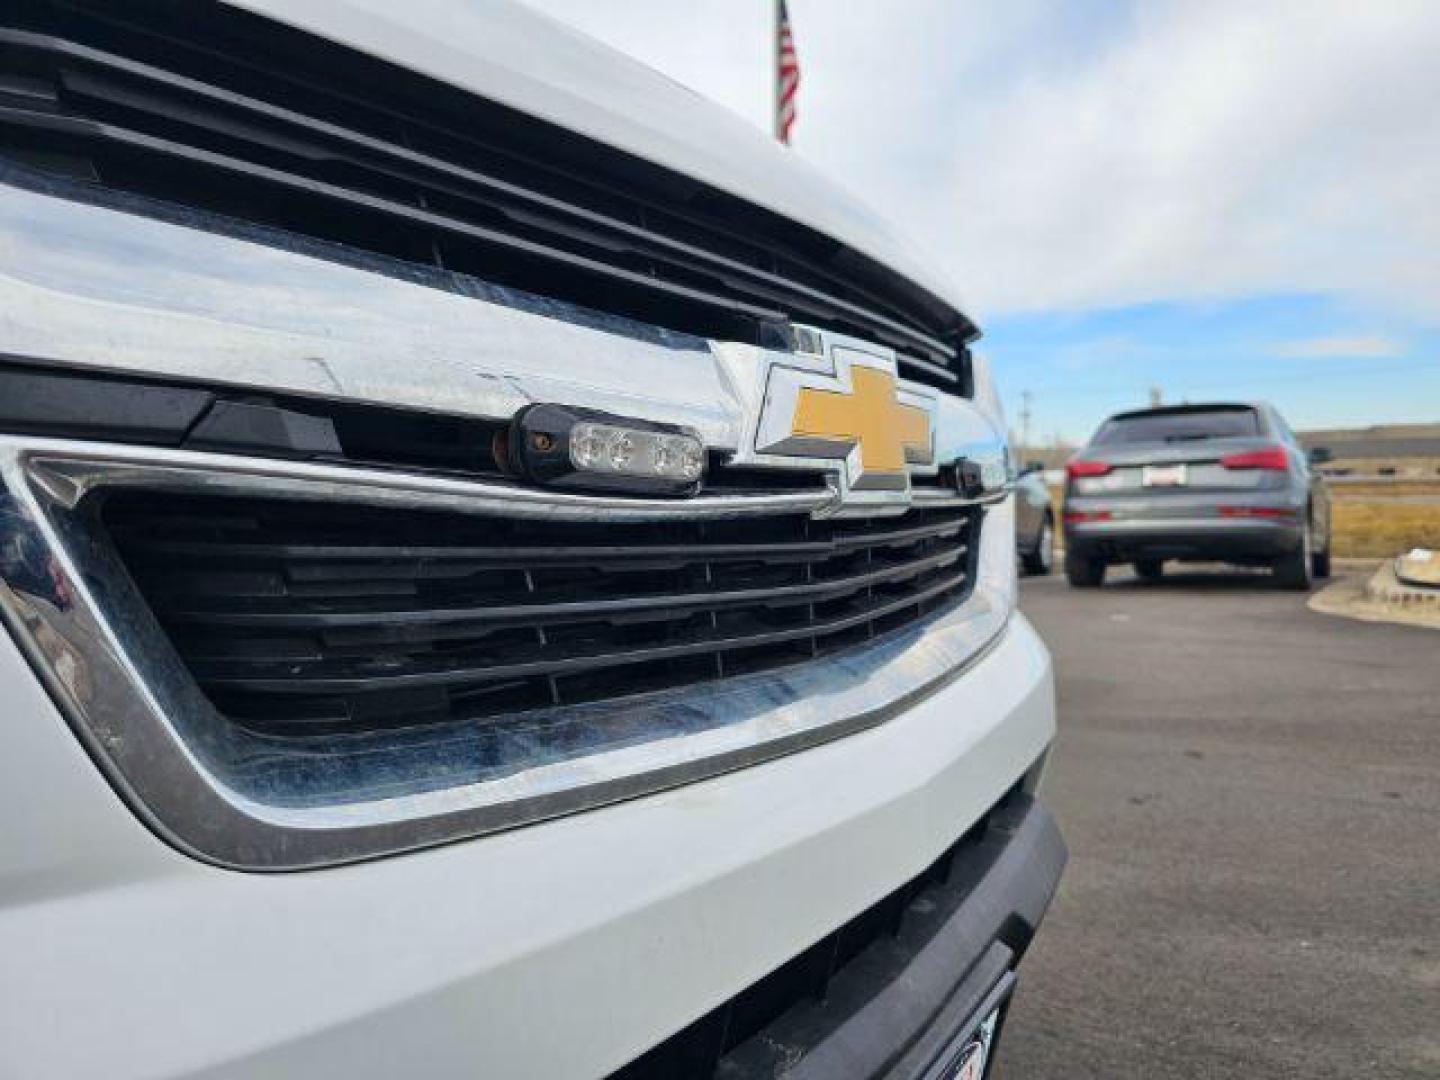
563	949
907	1006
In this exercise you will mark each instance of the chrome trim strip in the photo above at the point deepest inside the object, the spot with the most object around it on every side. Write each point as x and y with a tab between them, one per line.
68	471
94	288
213	792
937	498
89	287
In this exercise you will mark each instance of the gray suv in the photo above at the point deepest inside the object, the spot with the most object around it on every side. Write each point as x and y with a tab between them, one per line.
1196	483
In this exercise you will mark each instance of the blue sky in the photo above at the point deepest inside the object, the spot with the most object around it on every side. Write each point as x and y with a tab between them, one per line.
1323	361
1217	199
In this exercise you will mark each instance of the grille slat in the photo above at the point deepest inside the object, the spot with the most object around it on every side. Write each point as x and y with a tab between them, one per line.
571	610
413	216
142	102
524	556
400	170
298	679
297	616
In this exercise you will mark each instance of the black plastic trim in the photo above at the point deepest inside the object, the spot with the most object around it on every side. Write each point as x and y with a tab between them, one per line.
889	995
34	401
238	427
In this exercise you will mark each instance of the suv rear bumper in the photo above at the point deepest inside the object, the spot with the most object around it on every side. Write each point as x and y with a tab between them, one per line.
563	949
1202	538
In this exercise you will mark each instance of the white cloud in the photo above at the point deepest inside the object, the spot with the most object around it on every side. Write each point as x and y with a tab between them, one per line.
1055	155
1323	348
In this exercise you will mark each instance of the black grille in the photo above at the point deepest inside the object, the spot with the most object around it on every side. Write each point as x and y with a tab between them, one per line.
299	617
214	109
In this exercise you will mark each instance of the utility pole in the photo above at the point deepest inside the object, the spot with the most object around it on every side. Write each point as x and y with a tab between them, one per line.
1025	419
1157	397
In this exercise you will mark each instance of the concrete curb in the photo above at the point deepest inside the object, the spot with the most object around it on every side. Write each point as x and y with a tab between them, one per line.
1386	587
1378	596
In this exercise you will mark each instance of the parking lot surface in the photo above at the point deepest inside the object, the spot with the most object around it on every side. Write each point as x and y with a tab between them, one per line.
1251	794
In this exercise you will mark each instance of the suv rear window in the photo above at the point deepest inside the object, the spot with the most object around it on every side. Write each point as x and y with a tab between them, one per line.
1179	426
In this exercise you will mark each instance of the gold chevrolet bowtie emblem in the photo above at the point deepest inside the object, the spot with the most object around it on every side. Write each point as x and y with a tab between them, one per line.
888	433
845	411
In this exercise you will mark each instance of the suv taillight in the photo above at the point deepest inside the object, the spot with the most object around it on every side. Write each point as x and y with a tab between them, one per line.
1077	469
1271	457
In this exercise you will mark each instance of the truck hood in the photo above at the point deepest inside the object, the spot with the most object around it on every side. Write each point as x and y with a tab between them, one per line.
517	57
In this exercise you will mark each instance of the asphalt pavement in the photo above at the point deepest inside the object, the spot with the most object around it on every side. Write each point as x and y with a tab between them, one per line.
1251	794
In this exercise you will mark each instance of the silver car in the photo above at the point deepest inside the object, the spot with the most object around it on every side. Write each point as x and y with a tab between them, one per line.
1034	521
1196	483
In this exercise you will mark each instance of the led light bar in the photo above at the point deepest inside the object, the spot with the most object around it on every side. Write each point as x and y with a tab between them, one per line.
625	451
563	446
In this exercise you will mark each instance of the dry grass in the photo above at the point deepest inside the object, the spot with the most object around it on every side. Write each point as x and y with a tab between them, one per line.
1382	519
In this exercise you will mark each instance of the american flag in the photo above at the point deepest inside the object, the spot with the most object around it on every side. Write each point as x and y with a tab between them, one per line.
787	74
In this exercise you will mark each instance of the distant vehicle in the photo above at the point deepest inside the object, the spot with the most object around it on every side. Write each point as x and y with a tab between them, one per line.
1196	483
1034	521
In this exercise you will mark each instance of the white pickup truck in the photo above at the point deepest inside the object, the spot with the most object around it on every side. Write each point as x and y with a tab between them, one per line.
505	573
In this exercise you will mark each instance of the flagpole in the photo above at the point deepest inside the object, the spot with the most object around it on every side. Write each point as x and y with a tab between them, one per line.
775	71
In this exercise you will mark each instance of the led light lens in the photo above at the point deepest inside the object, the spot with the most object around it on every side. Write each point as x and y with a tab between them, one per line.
608	448
678	456
587	447
622	451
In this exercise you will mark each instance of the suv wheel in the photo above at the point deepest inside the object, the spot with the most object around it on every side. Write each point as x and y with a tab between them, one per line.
1296	569
1084	572
1320	562
1042	560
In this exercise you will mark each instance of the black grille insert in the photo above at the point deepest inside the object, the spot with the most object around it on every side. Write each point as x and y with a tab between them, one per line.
214	109
306	618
